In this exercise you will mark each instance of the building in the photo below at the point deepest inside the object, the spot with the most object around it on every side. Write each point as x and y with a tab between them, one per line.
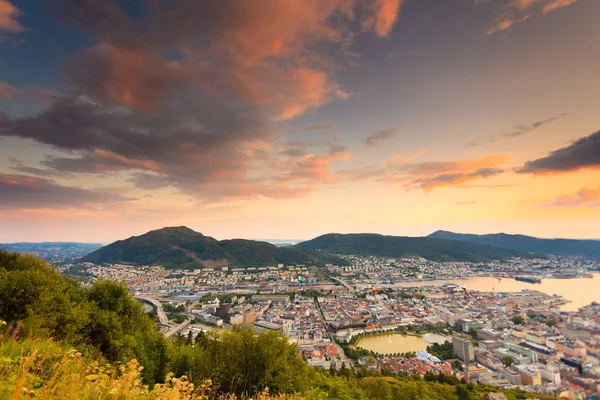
271	298
551	373
490	345
529	375
494	379
248	319
512	375
520	355
467	324
463	348
236	319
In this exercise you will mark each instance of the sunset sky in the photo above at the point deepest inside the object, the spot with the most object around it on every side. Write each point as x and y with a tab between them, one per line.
294	118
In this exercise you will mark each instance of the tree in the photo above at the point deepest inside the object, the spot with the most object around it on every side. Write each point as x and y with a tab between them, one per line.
473	333
462	392
104	316
518	320
507	361
457	365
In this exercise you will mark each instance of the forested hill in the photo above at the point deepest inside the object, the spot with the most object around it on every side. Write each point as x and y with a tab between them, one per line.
181	247
399	246
563	247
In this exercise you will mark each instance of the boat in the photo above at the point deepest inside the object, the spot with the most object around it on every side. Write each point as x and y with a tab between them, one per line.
528	279
525	289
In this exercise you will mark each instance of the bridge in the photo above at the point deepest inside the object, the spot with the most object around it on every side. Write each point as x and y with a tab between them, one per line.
179	327
162	317
346	285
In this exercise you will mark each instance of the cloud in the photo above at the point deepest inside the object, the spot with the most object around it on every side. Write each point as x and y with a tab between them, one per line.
453	179
555	4
190	94
586	197
518	130
321	126
383	16
26	192
581	154
429	175
8	15
466	203
6	91
517	11
18	165
265	52
379	136
407	157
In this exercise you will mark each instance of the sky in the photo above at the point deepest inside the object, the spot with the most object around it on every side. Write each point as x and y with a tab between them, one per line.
291	119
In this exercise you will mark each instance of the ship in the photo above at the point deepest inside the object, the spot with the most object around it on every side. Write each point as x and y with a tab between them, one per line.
528	279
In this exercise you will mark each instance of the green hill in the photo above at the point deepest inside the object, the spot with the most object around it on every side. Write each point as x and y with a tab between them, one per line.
181	247
399	246
562	247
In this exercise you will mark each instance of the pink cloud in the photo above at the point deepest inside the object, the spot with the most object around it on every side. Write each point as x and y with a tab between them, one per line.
520	10
8	15
587	197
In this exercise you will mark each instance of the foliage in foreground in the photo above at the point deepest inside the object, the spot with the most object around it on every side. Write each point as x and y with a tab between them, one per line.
101	319
44	369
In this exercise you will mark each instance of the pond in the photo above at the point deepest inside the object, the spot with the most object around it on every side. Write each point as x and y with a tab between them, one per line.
392	343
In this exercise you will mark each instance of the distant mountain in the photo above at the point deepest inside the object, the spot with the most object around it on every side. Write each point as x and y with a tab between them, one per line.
181	247
24	246
54	252
563	247
399	246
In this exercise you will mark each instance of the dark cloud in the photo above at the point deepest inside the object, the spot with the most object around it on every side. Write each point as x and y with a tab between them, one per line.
518	130
189	94
581	154
21	191
17	164
379	136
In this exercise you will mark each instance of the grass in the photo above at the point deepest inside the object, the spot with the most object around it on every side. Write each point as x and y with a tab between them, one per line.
44	369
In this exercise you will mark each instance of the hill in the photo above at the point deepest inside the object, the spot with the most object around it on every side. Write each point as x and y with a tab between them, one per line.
562	247
399	246
181	247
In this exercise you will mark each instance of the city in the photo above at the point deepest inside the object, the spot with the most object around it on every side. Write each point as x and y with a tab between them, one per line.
515	339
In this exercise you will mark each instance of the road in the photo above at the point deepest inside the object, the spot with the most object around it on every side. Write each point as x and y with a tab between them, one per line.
179	327
345	284
162	317
341	358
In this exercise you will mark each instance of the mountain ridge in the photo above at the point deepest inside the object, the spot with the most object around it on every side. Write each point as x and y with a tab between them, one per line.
562	247
182	247
402	246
